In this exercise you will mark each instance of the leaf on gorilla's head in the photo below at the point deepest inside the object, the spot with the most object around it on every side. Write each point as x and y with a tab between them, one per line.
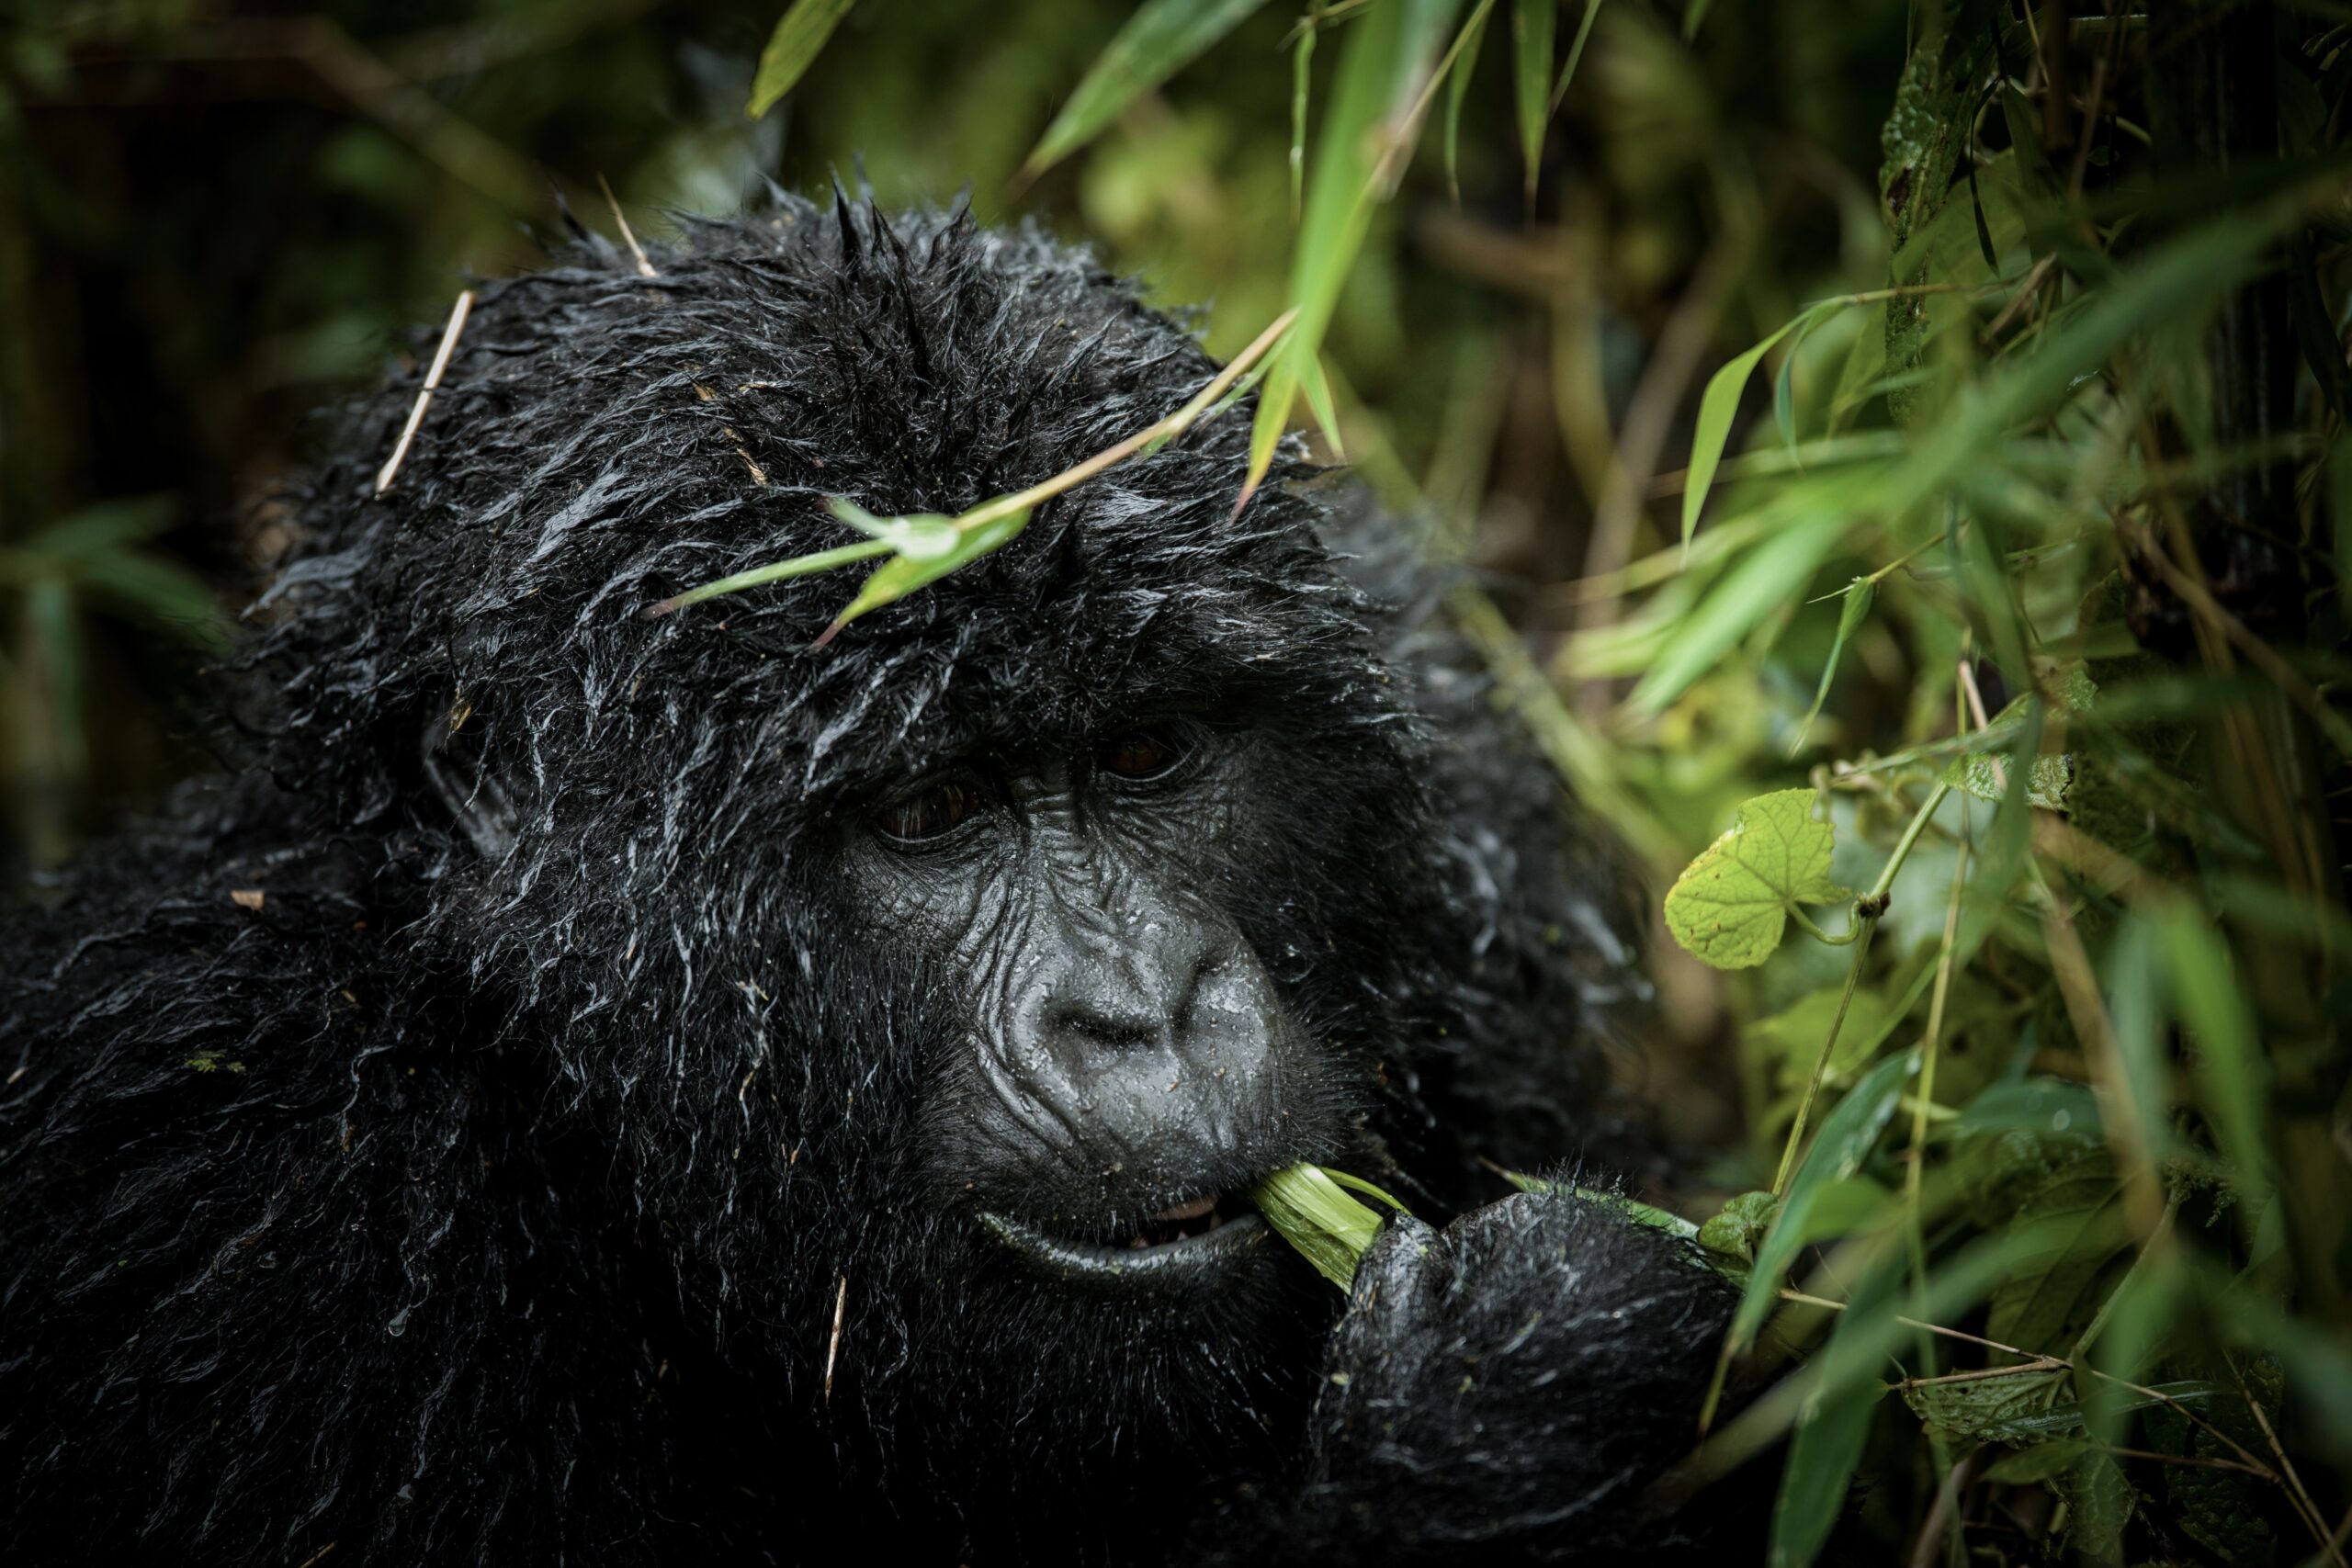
1307	1204
1730	906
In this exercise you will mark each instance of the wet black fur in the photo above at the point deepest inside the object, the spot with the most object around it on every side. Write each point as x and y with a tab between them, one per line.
485	1195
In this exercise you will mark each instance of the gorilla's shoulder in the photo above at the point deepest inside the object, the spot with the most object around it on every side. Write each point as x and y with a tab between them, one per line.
185	946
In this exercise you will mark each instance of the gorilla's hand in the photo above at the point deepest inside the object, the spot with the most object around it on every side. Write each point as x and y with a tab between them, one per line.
1512	1384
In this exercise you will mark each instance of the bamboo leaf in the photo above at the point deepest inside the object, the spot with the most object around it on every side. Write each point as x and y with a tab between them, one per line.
1532	28
1831	1426
1576	53
1717	407
1847	1136
1803	526
1457	87
902	574
1340	194
1859	596
1312	1211
800	36
1317	387
1159	40
2228	1065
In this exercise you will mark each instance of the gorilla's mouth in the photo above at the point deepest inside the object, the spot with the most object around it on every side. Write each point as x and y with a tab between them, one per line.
1188	1241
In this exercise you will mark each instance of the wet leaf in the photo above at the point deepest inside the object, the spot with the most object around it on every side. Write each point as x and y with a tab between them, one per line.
902	574
1830	1429
1848	1134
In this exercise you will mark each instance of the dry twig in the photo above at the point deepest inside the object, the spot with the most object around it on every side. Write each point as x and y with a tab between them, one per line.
424	394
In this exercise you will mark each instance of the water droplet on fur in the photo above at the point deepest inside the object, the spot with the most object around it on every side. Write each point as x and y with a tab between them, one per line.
398	1325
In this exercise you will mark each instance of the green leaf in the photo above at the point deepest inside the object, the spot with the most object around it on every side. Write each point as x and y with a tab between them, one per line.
1575	53
902	574
2066	1421
1317	387
2231	1068
1830	1429
1302	62
1799	530
799	34
922	535
1377	67
1791	1038
1314	1213
1739	1227
2068	1229
1847	1136
2043	1462
2102	1504
105	527
1717	406
1457	87
1532	24
152	589
54	672
1161	38
1859	596
2314	328
1639	1213
1978	1408
1730	906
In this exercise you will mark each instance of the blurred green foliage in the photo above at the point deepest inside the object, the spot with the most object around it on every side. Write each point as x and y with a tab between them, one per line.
1912	428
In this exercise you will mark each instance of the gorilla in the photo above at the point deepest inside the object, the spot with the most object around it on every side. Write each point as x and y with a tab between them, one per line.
579	1087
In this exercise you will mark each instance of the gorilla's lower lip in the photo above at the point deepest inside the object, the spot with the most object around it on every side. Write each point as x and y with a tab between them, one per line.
1188	1258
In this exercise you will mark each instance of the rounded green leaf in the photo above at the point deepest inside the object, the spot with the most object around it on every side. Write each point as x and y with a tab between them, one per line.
1730	906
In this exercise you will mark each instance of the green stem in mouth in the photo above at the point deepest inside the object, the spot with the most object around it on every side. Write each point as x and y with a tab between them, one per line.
1309	1205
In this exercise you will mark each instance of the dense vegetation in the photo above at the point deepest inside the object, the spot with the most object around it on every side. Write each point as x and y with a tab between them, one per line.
1903	441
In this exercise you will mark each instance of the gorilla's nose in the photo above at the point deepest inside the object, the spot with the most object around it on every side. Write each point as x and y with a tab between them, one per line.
1161	983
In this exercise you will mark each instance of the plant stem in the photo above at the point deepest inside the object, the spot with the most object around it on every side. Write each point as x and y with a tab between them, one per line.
1867	926
1174	424
1868	908
1805	923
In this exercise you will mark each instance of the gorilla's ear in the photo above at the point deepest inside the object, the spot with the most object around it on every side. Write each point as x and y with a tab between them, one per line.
466	789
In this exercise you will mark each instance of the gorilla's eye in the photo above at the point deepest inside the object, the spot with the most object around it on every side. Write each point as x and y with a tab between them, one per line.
1151	752
931	811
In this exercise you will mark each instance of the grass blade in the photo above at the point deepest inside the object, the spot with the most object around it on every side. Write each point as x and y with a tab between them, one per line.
1532	31
1831	1426
1859	597
800	35
1457	87
1161	38
1717	406
1348	154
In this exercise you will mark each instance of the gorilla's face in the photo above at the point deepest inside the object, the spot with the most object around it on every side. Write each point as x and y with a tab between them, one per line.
1125	1066
1136	1012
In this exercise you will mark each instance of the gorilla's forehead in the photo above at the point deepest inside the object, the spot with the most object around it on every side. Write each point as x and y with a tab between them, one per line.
605	441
